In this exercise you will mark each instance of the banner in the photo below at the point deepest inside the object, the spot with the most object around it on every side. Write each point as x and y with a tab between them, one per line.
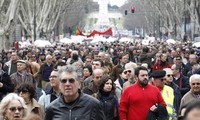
94	32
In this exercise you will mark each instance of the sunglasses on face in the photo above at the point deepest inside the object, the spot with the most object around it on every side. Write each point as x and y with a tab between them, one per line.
195	83
125	72
170	75
14	109
71	80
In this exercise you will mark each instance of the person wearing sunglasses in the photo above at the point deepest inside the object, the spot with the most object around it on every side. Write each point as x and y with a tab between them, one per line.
140	97
122	78
129	71
158	78
27	92
177	93
194	93
12	107
73	104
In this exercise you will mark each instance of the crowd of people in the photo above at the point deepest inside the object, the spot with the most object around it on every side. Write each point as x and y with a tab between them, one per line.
101	81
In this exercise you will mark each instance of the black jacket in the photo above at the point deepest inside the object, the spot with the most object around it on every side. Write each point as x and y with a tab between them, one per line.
159	114
183	83
7	85
110	105
147	57
177	96
85	108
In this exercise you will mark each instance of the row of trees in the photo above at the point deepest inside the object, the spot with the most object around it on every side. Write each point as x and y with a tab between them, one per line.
38	16
176	16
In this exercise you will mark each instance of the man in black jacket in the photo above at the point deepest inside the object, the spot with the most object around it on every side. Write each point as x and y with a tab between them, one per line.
181	80
72	103
5	82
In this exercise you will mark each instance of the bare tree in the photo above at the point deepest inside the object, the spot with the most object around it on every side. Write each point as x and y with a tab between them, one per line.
8	10
76	14
169	15
41	15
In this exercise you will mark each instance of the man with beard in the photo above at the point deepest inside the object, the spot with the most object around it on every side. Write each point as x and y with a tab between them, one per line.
138	99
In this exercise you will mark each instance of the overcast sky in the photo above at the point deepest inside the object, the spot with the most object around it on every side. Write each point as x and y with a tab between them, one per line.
115	2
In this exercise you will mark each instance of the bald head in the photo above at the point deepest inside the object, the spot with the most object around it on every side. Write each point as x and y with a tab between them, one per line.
192	58
168	75
97	74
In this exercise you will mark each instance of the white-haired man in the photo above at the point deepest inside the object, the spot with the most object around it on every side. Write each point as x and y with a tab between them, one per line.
194	93
45	71
73	104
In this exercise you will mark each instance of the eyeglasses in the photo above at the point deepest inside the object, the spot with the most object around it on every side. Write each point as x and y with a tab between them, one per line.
14	109
195	83
125	72
70	80
170	75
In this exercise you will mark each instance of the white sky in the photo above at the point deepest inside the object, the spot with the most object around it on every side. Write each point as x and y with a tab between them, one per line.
115	2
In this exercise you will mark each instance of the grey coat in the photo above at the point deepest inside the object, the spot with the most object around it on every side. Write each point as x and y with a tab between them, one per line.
187	98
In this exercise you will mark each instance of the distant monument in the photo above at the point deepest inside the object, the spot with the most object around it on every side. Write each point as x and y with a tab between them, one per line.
103	21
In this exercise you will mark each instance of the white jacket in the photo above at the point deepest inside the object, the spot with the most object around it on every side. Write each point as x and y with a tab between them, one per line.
118	90
44	99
